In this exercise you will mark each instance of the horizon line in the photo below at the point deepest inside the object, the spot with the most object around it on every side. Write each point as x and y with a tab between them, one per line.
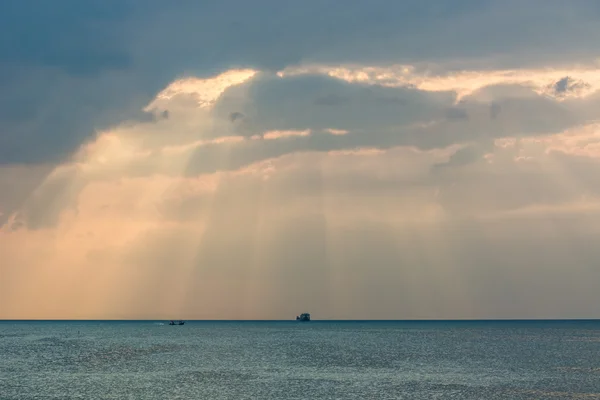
293	320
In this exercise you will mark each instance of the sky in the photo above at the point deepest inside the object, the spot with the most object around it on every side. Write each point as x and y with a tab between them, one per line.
256	160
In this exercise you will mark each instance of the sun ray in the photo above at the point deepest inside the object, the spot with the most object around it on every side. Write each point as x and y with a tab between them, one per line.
140	164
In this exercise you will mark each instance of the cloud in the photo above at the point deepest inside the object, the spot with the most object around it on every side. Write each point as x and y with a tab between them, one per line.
191	131
567	86
299	103
463	81
463	156
16	183
63	80
79	38
235	116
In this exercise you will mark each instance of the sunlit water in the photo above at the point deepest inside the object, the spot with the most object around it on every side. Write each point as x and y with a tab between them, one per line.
295	360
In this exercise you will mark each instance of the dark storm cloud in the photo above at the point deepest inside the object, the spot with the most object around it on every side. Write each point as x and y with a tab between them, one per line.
81	38
68	68
320	102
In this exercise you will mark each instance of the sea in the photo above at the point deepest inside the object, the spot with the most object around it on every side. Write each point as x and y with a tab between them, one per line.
300	360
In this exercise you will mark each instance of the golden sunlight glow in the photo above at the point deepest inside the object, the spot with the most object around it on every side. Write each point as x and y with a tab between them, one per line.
152	206
284	134
580	141
205	91
337	132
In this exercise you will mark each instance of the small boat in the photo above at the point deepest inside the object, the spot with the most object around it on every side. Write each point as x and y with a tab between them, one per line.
177	323
303	317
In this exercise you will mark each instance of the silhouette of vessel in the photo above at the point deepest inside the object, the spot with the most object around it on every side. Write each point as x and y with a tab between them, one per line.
177	323
303	317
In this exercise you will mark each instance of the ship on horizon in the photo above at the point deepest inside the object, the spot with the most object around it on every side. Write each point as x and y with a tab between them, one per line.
303	317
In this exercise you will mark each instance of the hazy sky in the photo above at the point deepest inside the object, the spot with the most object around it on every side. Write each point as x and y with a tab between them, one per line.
259	159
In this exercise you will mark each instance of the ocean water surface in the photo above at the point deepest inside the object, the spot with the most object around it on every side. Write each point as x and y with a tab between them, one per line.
299	360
